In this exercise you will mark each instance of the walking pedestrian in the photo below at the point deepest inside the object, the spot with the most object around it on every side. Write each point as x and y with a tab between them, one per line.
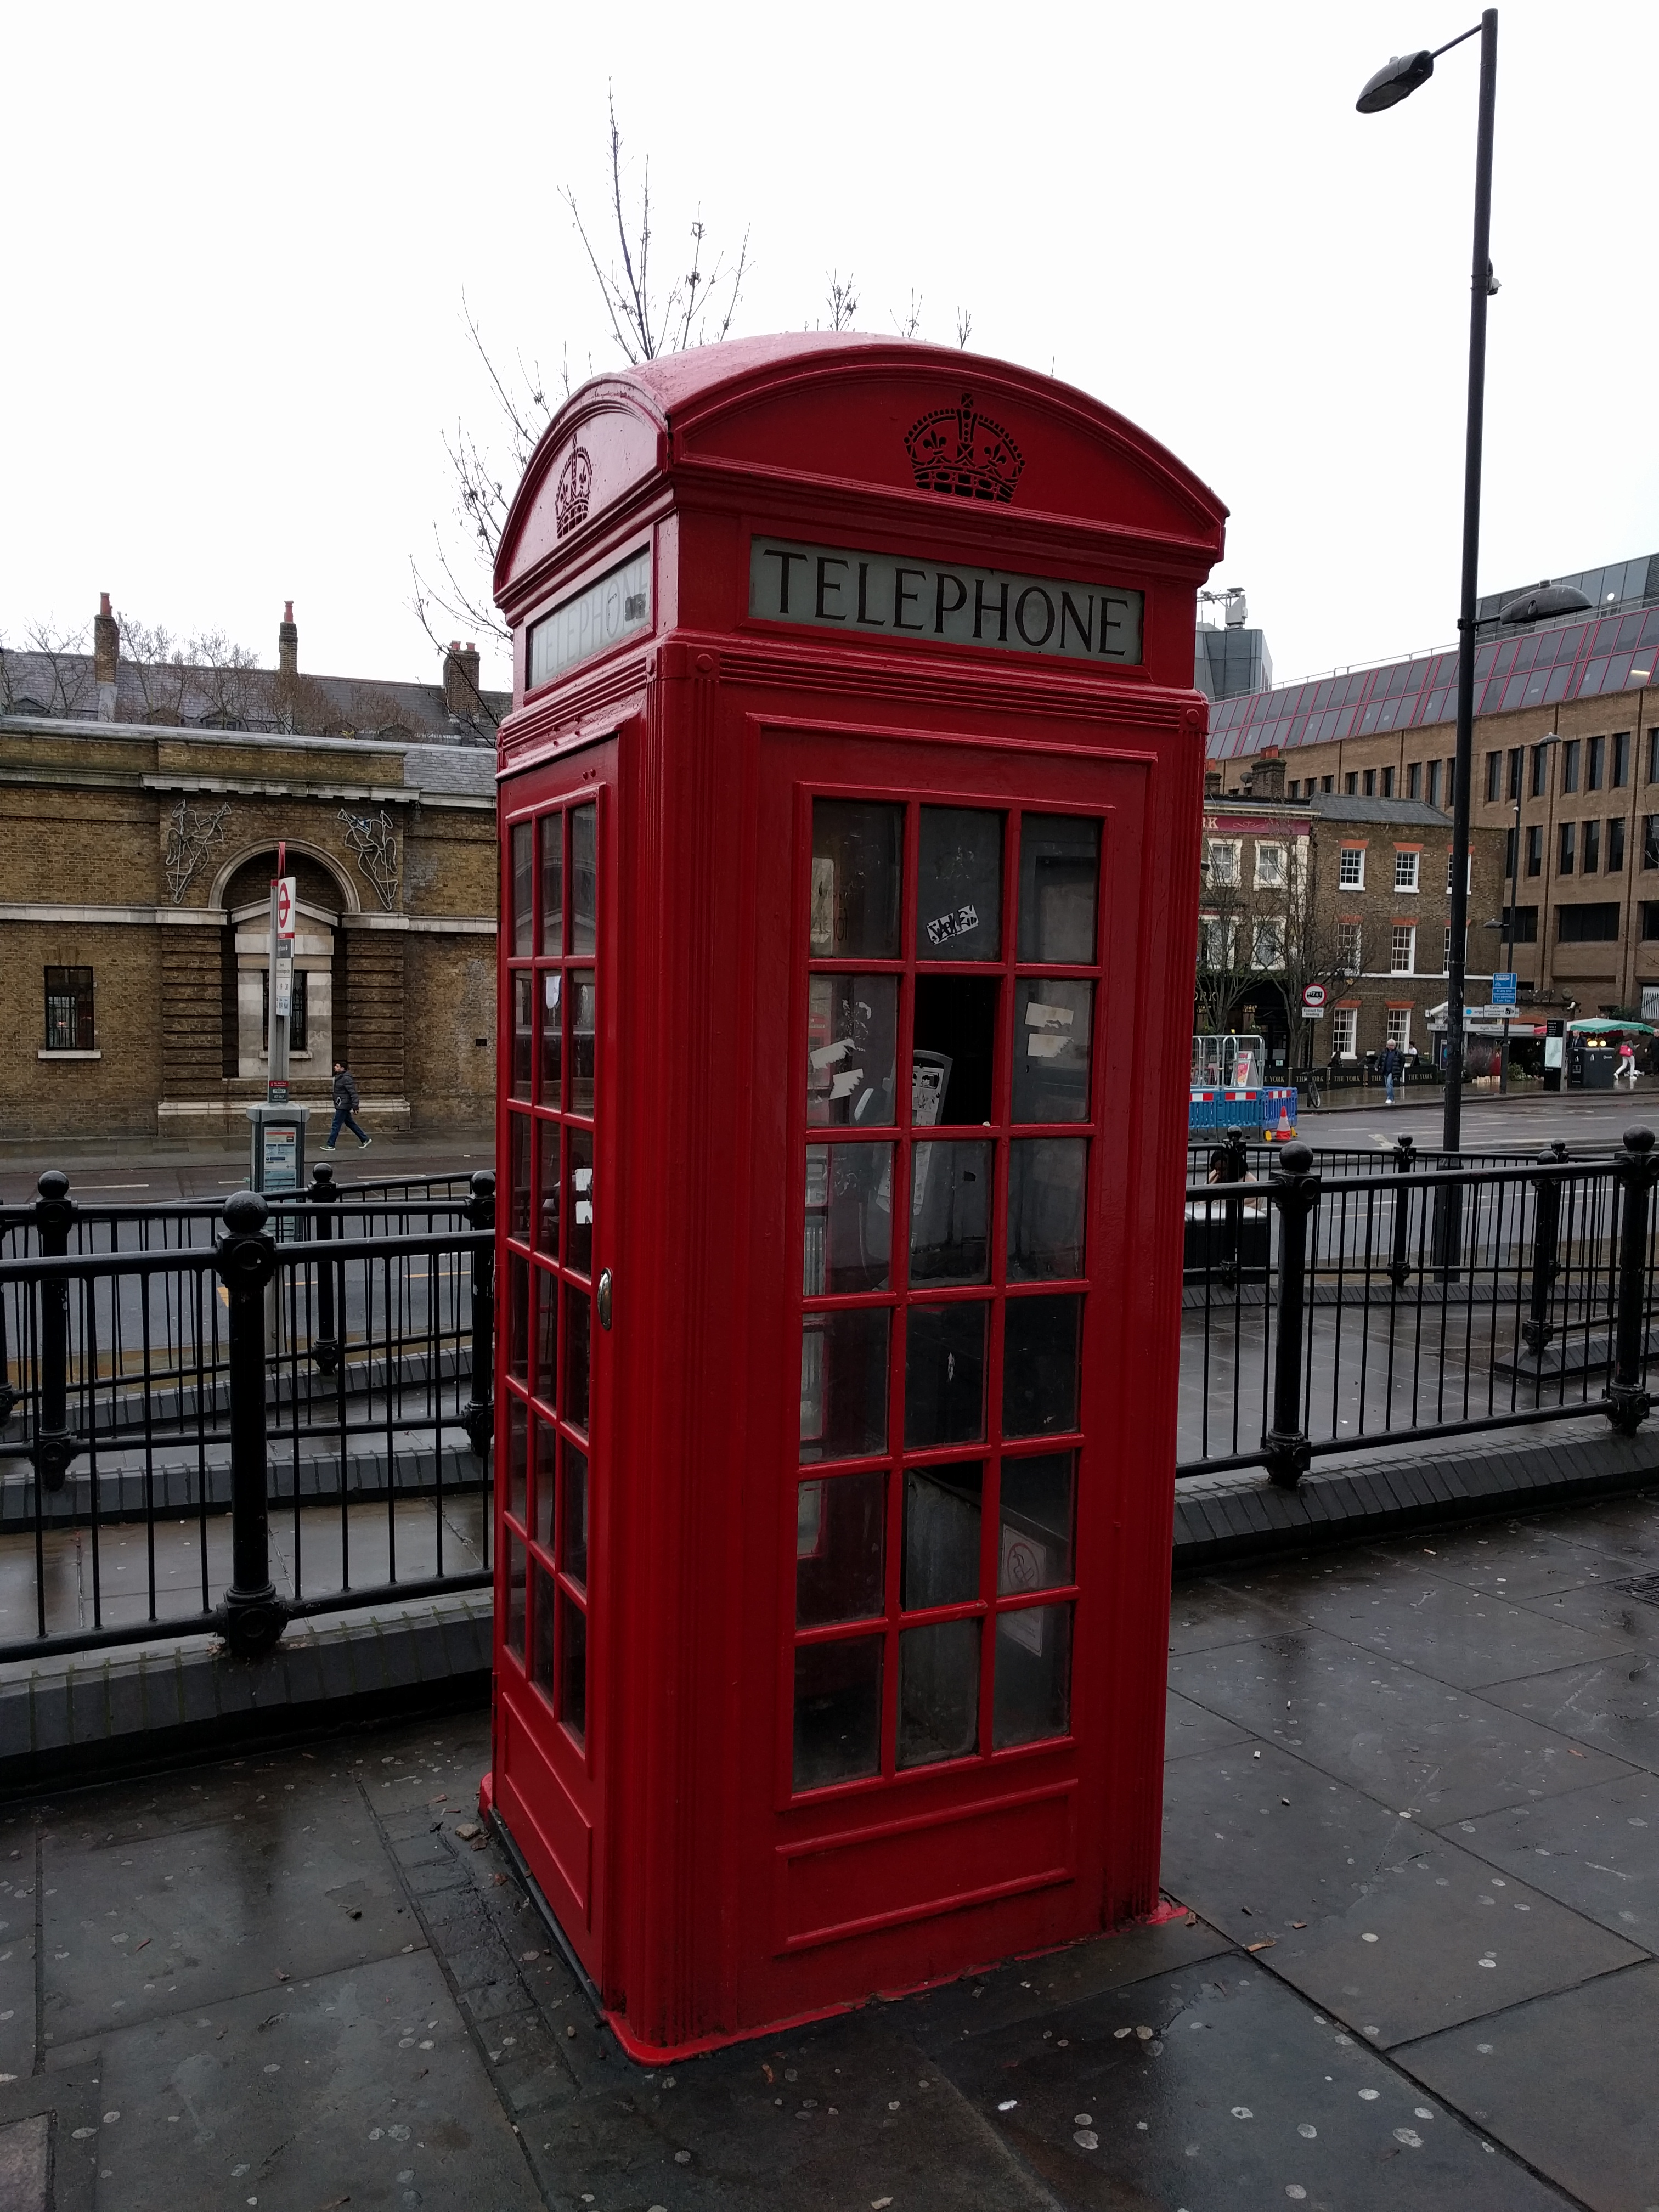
1626	1071
1389	1068
345	1109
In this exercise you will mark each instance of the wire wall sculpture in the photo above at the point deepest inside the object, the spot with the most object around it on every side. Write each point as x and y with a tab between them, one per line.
373	838
191	835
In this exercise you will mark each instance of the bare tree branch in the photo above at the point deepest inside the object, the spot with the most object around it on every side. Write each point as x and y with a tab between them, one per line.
908	324
964	326
842	300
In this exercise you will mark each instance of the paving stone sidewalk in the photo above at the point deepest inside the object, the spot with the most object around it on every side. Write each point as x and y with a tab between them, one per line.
1413	1816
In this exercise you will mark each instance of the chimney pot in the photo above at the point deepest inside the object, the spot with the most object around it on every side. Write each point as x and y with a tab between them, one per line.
287	643
106	657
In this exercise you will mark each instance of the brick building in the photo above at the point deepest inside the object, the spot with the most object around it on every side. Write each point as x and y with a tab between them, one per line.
1565	745
1345	891
140	812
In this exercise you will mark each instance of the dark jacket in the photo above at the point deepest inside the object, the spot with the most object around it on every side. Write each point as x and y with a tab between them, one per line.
1391	1062
345	1092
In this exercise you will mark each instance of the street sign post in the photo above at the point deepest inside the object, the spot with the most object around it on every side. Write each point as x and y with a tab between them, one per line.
1503	990
1313	1003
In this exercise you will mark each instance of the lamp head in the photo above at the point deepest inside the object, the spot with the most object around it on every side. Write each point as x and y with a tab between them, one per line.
1395	83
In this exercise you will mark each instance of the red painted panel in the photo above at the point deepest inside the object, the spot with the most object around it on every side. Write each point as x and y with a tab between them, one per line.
994	1849
536	1804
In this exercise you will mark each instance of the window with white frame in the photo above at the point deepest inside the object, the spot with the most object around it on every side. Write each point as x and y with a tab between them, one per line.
1402	949
1269	944
1224	861
1269	867
1345	1029
1400	1028
1351	868
1470	879
1405	871
1348	947
1215	941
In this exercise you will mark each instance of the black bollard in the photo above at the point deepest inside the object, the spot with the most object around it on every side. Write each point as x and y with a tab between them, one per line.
478	1416
324	1195
253	1617
54	1445
1404	1160
1538	1328
1634	1169
1294	1190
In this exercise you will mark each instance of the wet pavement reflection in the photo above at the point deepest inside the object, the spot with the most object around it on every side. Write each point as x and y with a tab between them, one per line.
1412	1831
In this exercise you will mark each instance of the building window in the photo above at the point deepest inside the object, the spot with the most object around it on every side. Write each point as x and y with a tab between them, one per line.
1535	848
1526	924
1540	756
1434	783
1512	787
1595	761
1570	765
1350	867
1400	1028
1351	783
1587	925
1509	853
1405	871
1344	1026
1223	862
1414	781
1348	947
1451	783
1653	754
1591	861
1620	759
1649	924
1269	867
1294	789
1388	783
1215	941
69	1010
1449	871
1402	949
1269	948
1650	841
296	1013
1494	775
1615	844
1371	783
1328	783
1565	851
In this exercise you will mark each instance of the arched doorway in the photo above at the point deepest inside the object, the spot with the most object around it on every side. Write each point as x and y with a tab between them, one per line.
317	1027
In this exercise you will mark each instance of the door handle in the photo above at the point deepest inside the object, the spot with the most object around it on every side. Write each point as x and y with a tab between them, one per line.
605	1299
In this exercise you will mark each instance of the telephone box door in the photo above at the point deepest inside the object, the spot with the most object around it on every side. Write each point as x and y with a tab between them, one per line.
554	1430
960	1088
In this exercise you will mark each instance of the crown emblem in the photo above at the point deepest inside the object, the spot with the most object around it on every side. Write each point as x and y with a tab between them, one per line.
960	451
570	493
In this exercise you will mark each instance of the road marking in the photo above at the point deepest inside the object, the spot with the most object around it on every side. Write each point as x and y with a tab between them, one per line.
114	1185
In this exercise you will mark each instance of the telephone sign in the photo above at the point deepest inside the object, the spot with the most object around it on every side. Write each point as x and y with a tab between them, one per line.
285	905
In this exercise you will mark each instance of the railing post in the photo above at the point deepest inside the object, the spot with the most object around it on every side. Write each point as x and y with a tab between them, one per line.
324	1195
1405	1159
478	1416
1293	1188
54	1444
1634	1170
253	1617
1538	1328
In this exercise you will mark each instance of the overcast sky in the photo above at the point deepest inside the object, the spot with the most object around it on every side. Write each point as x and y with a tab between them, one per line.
238	240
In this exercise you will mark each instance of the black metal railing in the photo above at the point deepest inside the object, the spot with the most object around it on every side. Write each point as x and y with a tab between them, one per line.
225	1430
1325	1310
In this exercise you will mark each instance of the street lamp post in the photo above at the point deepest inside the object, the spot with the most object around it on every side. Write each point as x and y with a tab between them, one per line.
1387	89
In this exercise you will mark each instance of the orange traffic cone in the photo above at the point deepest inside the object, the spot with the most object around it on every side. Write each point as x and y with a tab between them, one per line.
1283	1132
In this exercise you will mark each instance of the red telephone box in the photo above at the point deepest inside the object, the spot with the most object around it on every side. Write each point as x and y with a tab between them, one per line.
850	810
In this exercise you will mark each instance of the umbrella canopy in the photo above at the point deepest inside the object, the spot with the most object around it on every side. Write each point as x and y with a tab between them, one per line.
1606	1025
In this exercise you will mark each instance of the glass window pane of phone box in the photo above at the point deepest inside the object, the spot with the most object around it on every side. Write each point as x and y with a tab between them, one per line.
959	885
858	855
1059	888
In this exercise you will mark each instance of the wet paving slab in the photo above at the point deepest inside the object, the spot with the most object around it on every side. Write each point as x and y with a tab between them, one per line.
1408	1960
